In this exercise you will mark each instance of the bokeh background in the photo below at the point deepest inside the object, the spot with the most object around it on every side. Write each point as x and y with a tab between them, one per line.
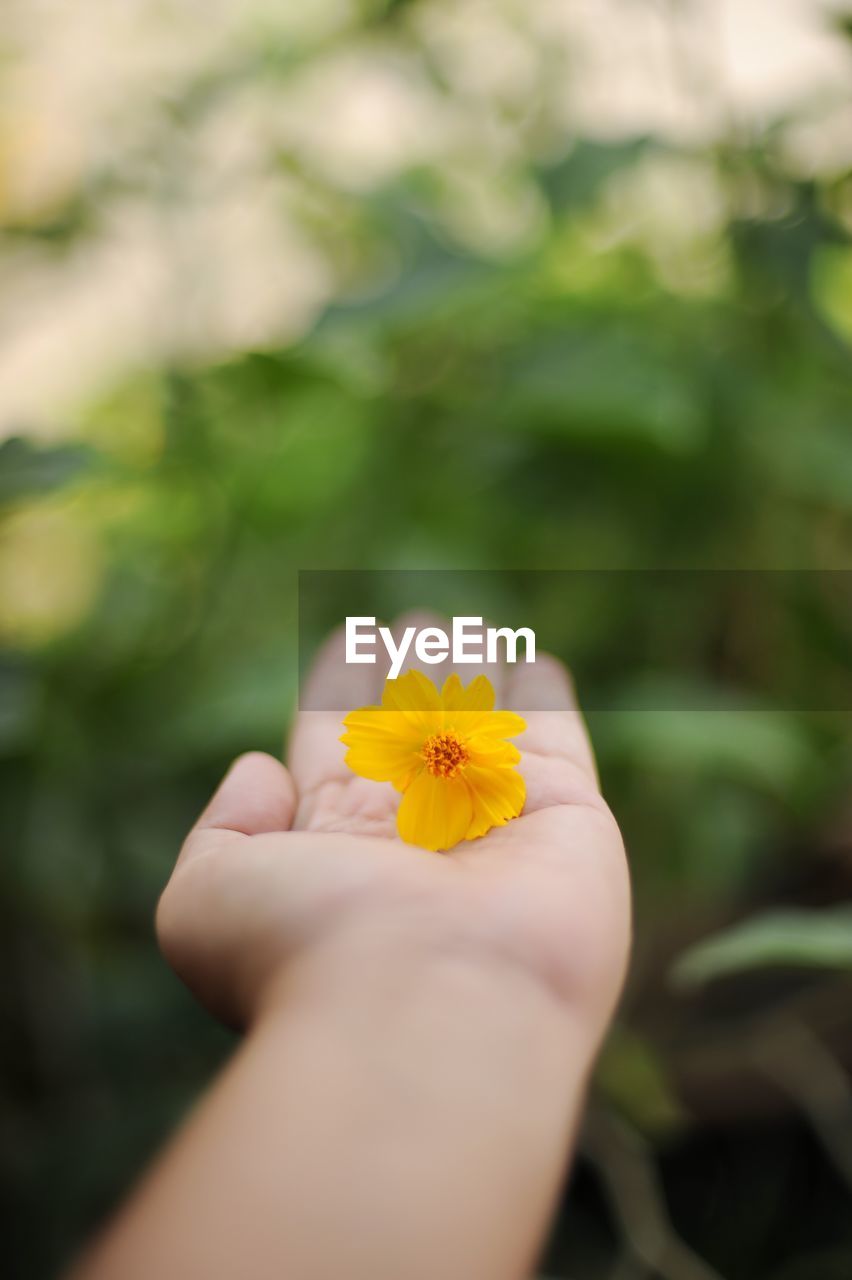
491	284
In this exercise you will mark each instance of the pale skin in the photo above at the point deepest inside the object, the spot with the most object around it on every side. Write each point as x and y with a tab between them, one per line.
419	1027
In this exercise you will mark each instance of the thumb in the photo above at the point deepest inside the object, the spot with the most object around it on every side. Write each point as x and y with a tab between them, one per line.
256	795
209	909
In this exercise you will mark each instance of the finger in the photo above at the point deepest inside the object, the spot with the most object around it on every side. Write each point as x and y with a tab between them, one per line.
316	754
256	795
421	619
543	693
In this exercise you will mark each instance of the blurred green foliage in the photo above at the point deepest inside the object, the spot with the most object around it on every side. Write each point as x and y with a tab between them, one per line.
781	937
560	405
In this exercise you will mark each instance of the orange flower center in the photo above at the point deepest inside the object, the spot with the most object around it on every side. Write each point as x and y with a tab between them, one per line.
444	755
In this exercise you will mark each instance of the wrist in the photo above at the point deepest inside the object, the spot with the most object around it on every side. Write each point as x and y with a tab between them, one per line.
436	1058
384	954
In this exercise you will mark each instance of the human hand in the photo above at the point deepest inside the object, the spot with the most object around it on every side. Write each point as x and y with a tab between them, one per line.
284	866
422	1024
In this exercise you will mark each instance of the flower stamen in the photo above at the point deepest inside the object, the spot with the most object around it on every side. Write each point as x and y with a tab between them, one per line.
445	755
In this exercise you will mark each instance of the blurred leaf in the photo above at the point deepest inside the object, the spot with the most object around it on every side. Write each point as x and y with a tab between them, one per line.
781	251
763	748
19	702
576	179
831	284
26	470
607	387
813	463
810	939
631	1075
430	273
241	704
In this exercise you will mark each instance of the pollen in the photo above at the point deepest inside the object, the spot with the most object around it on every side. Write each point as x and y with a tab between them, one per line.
445	755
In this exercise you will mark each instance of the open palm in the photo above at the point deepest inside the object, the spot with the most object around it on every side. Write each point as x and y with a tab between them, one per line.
283	863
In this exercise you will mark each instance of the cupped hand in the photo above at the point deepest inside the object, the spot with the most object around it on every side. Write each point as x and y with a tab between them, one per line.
286	865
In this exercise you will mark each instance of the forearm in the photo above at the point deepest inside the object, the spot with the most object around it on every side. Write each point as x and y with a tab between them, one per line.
395	1113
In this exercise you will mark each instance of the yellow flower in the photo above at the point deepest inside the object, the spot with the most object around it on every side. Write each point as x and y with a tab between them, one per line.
446	752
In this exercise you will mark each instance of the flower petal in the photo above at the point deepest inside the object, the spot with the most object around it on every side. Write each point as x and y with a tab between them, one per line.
478	696
435	812
492	752
377	722
502	724
383	745
415	697
497	794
